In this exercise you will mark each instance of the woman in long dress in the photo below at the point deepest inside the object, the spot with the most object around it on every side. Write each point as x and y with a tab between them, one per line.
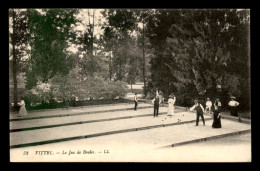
22	110
171	102
208	106
216	114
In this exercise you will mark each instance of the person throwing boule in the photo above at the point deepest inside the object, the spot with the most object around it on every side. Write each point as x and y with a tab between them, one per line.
199	112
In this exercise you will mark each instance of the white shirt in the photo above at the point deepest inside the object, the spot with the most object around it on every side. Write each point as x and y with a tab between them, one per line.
135	98
193	107
233	103
208	104
172	100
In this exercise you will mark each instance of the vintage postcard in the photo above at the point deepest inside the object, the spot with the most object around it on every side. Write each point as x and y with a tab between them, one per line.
129	85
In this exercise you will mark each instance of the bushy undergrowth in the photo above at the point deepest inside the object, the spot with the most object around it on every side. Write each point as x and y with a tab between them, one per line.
64	91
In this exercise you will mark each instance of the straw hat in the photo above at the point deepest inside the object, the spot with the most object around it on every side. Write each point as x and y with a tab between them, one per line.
233	97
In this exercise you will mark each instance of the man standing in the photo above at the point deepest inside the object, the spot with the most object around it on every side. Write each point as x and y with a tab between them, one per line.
233	105
156	101
199	111
135	99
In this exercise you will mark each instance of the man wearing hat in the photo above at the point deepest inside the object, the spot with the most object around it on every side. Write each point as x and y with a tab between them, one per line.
233	106
208	106
156	101
199	111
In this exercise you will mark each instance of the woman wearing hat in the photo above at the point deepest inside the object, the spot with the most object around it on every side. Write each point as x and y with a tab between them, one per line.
233	106
171	102
22	110
208	106
216	114
199	111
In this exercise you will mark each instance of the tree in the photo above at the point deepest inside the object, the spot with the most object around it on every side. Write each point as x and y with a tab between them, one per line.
199	50
209	42
18	27
157	29
143	17
116	35
86	41
50	35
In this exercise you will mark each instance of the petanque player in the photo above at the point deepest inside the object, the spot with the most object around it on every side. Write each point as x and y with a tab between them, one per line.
199	111
171	102
136	101
156	102
208	106
216	114
233	105
22	110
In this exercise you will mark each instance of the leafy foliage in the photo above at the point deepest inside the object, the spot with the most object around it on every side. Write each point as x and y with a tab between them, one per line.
50	34
18	36
200	52
73	86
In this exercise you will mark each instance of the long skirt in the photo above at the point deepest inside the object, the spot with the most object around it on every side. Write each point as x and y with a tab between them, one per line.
170	109
22	111
216	121
234	111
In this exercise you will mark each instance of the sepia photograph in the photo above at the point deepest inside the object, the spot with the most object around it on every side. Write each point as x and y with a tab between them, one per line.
123	85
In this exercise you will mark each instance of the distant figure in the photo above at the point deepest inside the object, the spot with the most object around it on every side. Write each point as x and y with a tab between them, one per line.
171	102
157	92
233	106
156	101
136	101
22	110
208	106
216	114
199	111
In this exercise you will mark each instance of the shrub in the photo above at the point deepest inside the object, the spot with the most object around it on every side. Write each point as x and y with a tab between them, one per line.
98	88
66	89
53	103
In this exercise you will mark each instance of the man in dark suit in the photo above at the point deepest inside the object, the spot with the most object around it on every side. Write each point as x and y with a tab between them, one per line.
156	101
135	99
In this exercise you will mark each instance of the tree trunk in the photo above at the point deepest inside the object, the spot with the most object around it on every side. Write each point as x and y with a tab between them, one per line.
14	63
92	34
120	70
145	93
91	43
131	85
92	46
110	66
